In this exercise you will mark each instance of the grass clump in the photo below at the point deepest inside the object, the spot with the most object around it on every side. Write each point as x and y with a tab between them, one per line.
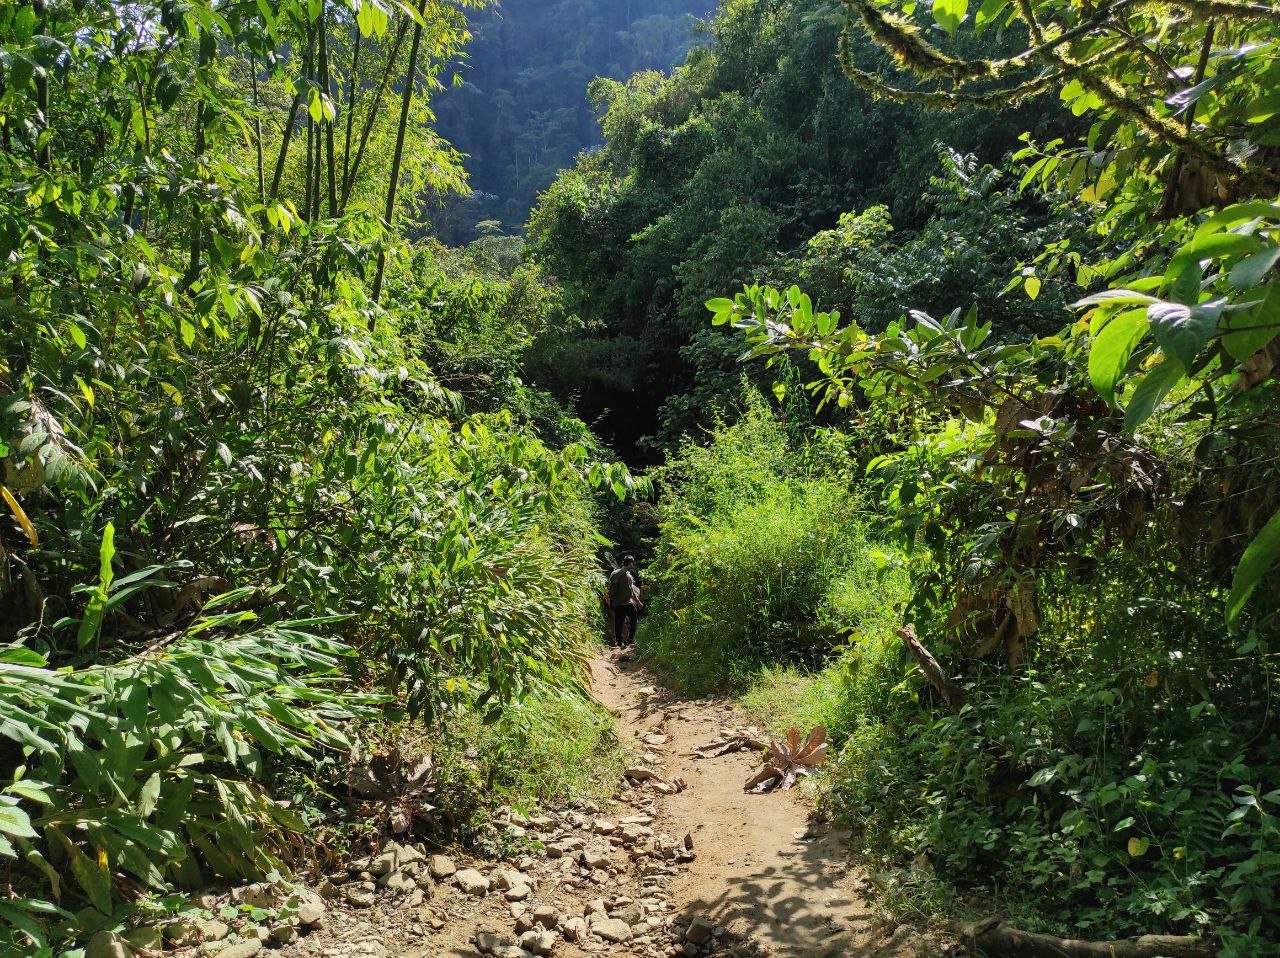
763	561
553	749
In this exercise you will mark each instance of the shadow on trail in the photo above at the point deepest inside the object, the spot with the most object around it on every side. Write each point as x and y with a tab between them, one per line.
763	903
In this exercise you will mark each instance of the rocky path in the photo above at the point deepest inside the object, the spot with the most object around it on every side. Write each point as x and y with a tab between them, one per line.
763	873
681	863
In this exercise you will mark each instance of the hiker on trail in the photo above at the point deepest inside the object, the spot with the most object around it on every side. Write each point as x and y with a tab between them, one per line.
624	598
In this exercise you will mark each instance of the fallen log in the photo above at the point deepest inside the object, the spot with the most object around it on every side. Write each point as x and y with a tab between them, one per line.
950	692
995	939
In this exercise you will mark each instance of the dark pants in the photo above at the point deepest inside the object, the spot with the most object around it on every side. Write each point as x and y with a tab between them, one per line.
623	613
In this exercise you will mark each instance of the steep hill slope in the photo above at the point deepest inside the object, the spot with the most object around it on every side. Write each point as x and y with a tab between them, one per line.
522	112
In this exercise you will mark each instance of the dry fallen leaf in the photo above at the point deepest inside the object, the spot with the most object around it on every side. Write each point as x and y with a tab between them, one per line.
789	760
732	740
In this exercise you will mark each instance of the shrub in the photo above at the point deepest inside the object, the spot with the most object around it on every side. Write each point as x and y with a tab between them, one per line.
760	560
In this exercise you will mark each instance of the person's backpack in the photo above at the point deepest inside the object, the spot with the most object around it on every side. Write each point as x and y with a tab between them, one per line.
619	580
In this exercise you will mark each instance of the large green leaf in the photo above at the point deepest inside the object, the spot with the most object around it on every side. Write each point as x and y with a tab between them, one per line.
1181	330
949	14
1110	351
97	605
1213	246
94	878
1261	554
14	821
1155	385
1249	271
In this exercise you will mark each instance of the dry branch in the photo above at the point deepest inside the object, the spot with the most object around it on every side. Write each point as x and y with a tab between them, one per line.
949	691
995	939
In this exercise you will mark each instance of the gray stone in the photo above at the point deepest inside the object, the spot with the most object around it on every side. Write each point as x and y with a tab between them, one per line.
539	942
472	882
442	867
311	909
260	895
106	944
359	896
491	943
631	913
398	881
611	929
245	948
192	930
700	931
575	929
389	859
505	878
410	854
147	938
518	893
282	935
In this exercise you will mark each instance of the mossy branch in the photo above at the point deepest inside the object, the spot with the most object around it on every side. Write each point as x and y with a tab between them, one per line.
939	99
1228	9
902	39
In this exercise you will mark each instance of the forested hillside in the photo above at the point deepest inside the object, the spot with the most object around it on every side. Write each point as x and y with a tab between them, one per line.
521	113
942	340
739	166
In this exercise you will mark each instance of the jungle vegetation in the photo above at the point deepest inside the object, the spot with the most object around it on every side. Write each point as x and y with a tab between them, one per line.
259	495
520	110
1011	527
935	327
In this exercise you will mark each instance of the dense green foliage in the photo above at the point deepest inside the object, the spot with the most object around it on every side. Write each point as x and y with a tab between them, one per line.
1097	509
760	558
1055	375
723	173
520	112
246	504
285	493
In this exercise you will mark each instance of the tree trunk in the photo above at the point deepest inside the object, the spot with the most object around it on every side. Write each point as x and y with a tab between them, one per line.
950	692
350	107
44	151
373	115
284	144
327	122
410	81
997	940
257	127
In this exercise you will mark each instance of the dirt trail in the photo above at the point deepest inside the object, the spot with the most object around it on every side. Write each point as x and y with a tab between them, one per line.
762	871
681	865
